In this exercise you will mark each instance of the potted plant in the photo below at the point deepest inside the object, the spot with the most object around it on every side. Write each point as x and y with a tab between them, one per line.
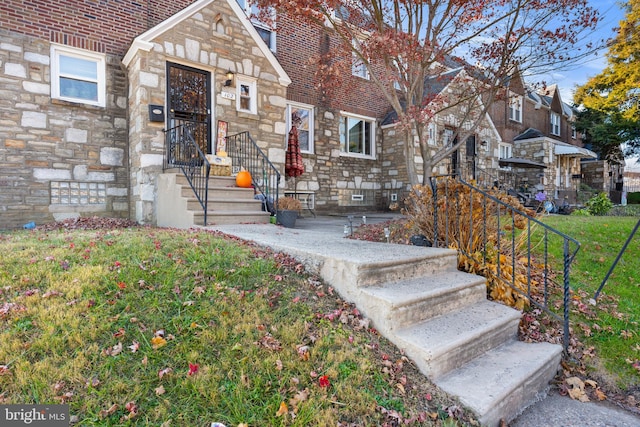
287	211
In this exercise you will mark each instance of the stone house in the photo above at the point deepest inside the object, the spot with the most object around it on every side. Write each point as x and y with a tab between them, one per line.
540	148
79	130
477	154
88	91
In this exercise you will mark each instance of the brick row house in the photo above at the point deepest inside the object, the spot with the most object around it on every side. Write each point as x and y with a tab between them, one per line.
88	91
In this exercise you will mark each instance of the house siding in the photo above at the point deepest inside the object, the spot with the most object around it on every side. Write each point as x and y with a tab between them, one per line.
195	42
331	175
44	142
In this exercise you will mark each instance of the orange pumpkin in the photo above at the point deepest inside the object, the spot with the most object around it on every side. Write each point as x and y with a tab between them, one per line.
243	179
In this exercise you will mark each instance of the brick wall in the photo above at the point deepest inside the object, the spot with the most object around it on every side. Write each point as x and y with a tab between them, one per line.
102	26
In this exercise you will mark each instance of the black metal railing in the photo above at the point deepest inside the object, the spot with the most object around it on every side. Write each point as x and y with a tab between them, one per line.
182	152
485	228
615	263
246	154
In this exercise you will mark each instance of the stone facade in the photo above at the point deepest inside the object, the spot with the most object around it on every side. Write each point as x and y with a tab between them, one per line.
66	159
214	40
57	159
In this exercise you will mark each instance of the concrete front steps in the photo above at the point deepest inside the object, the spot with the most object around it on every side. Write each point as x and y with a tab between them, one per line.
440	316
227	204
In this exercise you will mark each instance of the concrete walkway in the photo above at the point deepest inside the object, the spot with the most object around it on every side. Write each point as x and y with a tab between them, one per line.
324	235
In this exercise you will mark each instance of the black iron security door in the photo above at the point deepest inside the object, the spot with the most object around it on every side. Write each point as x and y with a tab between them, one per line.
189	102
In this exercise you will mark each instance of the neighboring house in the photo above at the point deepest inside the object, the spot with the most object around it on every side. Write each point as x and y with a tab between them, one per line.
89	90
340	132
540	148
80	85
479	153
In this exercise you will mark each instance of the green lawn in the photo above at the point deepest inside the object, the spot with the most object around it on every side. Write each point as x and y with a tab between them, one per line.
158	327
609	329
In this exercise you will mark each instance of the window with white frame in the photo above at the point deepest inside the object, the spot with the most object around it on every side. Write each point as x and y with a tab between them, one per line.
358	67
515	108
555	124
574	132
302	116
246	97
78	75
266	32
447	137
431	134
357	136
505	151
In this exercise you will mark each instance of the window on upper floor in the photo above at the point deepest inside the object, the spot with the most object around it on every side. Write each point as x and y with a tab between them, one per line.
266	31
357	136
358	67
574	131
515	108
246	97
78	75
555	124
302	116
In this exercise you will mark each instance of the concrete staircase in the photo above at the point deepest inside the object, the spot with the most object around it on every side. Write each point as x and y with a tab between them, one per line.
417	298
464	343
227	204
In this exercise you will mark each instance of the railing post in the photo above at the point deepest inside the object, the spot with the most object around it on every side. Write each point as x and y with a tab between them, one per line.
434	195
567	265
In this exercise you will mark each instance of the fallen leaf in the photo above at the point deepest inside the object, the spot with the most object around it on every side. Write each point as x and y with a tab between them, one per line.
106	412
282	410
4	370
576	389
134	346
303	352
269	342
600	395
299	397
121	332
324	382
157	342
114	351
279	366
193	369
160	391
163	372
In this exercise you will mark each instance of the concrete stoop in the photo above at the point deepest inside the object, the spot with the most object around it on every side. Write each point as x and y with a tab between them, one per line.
441	318
227	204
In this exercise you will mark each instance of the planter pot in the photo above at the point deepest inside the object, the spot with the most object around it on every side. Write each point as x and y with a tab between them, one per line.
287	218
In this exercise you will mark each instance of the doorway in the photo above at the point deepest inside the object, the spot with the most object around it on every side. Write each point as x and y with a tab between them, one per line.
189	101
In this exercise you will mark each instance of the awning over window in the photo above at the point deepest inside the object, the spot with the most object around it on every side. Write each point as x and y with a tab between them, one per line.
521	163
562	149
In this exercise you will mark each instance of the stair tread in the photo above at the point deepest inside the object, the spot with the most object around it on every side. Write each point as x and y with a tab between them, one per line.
490	379
408	291
232	213
441	334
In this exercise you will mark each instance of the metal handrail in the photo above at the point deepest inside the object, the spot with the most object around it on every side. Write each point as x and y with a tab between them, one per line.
507	219
245	153
182	152
615	263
